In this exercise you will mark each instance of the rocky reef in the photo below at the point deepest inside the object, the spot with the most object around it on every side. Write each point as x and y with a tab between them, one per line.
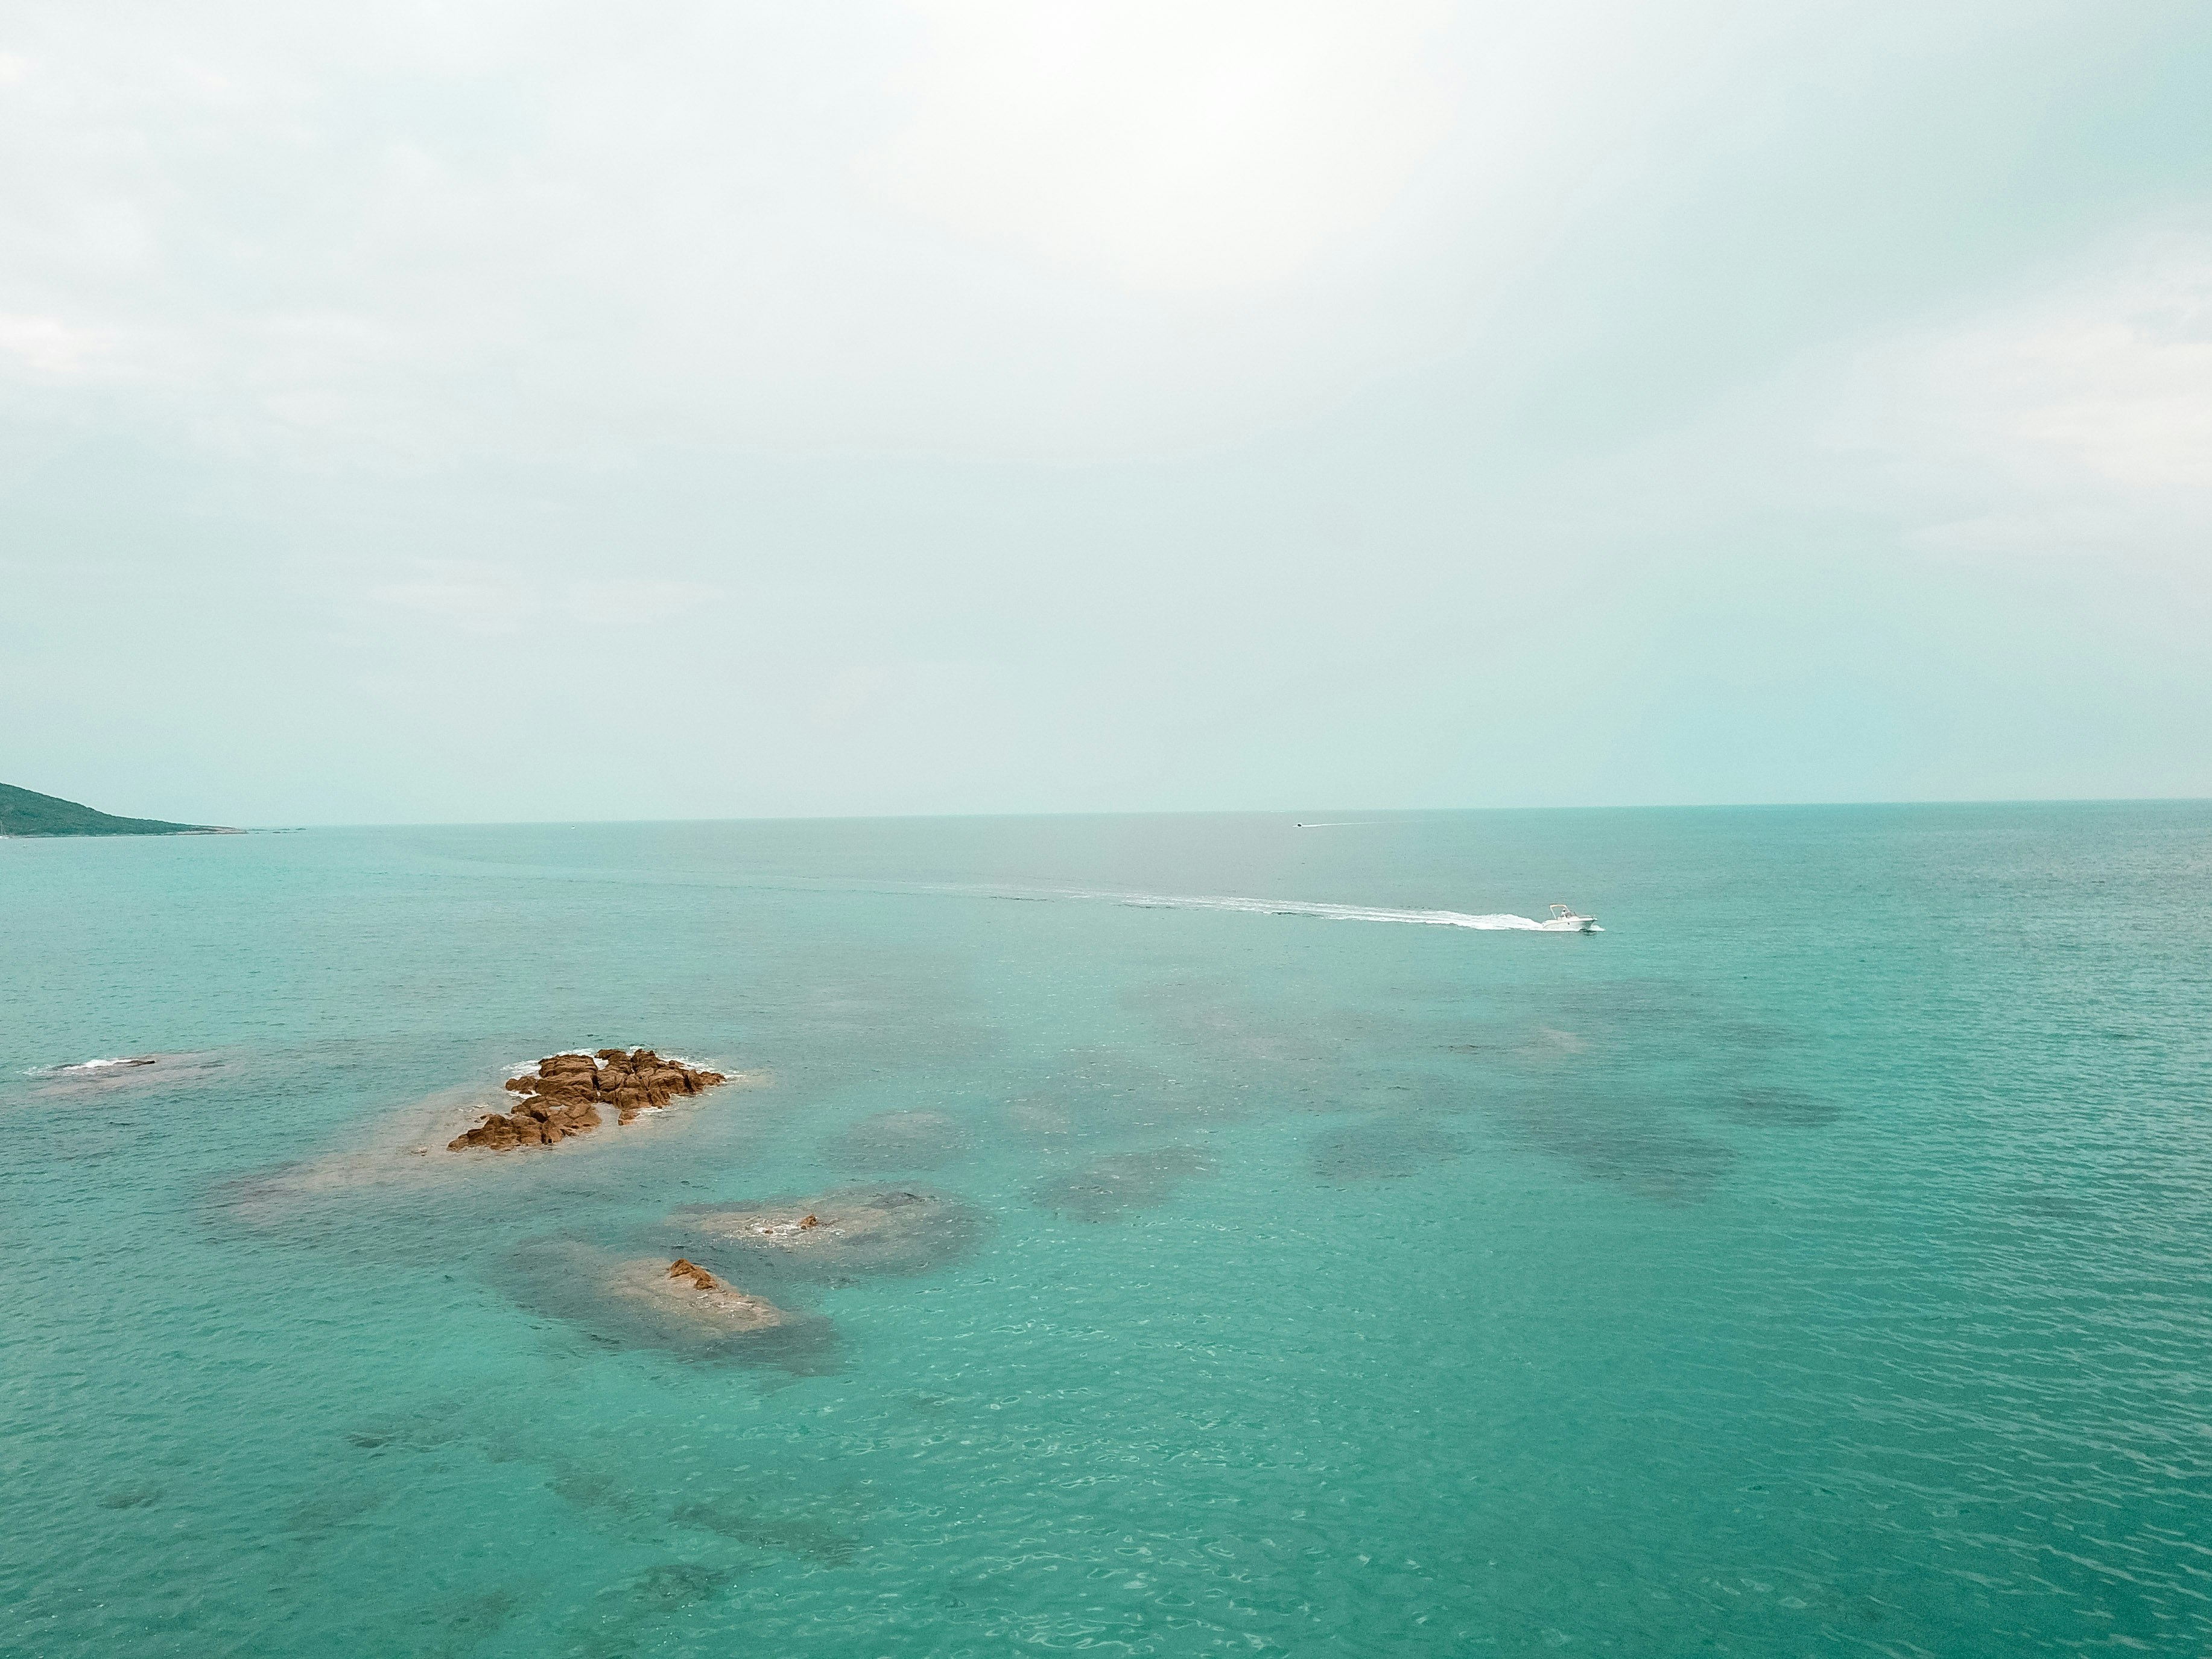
563	1095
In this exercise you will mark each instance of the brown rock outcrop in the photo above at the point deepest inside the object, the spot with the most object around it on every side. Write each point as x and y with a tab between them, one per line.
562	1097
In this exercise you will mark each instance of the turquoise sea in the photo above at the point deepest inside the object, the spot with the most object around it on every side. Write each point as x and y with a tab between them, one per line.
1817	1260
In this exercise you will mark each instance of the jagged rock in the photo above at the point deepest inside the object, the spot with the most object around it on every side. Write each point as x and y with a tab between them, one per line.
563	1095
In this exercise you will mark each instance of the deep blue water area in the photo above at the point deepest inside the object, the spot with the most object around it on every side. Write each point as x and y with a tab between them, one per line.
1816	1260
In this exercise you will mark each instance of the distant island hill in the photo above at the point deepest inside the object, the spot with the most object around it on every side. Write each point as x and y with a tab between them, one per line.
28	812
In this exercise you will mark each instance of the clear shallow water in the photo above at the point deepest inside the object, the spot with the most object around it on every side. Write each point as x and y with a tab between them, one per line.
1815	1261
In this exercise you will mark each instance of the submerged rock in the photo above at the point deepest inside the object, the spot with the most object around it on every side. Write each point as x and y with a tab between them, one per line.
1387	1148
99	1077
562	1097
629	1298
1104	1187
895	1142
686	1291
865	1230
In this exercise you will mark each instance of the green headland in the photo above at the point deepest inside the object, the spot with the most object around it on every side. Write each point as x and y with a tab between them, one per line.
27	812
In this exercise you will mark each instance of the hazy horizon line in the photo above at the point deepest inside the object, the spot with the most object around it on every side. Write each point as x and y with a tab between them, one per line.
1392	815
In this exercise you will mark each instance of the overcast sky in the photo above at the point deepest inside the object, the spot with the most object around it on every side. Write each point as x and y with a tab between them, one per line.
504	411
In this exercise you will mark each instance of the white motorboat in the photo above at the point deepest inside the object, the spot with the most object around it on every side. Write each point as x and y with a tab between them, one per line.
1567	920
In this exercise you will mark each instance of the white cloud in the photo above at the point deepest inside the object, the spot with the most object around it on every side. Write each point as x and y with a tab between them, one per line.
2112	381
557	233
2076	416
495	601
2070	414
1167	146
50	349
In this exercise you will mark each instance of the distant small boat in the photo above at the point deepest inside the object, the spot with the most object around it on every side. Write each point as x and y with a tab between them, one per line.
1571	922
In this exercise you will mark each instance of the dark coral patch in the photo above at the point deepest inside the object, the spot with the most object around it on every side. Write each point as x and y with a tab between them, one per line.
1385	1149
1104	1187
890	1142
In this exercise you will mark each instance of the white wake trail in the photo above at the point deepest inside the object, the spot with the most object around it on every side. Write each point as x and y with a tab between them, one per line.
1497	923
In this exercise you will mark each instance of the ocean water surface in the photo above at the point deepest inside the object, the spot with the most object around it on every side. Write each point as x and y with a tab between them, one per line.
1306	1258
